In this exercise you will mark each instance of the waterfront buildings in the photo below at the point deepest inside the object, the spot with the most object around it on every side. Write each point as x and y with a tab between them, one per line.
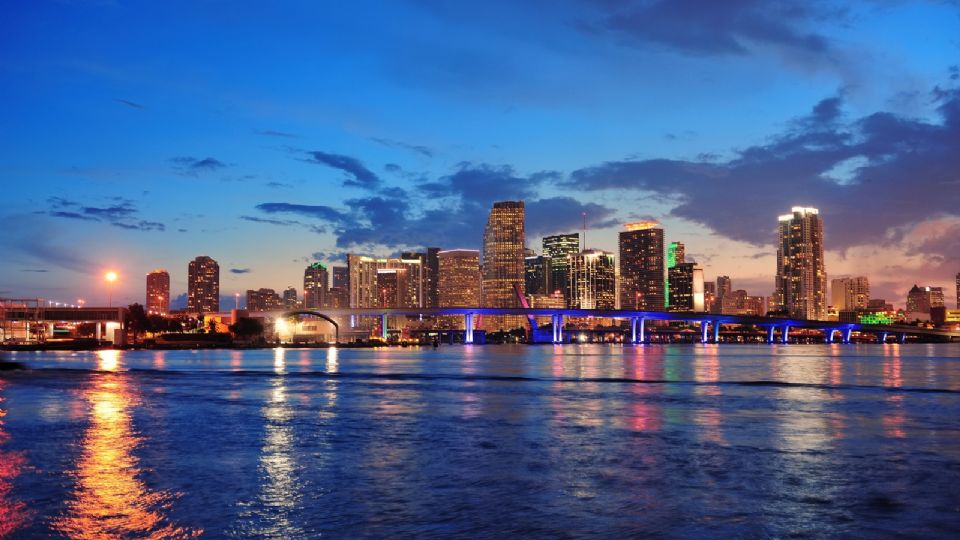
556	249
203	285
921	299
158	292
388	282
850	293
676	254
290	299
686	287
315	280
503	268
459	278
801	282
592	280
537	274
431	278
958	291
263	299
642	279
341	277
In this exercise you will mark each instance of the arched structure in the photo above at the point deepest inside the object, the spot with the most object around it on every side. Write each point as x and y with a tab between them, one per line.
336	327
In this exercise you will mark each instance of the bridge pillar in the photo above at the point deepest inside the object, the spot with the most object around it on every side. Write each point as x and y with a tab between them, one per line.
557	323
785	335
847	334
703	332
383	326
468	328
770	330
902	337
828	335
716	331
633	330
881	337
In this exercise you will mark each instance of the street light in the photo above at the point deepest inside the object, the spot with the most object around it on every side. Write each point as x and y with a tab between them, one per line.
110	276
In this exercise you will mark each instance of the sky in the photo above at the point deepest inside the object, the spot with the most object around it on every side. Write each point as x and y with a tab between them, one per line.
267	135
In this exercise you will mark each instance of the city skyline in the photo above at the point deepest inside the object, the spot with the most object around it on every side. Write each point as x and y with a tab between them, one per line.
152	158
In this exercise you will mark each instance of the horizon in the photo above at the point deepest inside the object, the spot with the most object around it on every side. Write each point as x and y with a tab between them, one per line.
297	133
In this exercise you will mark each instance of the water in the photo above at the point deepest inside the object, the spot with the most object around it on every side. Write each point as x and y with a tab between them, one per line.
485	441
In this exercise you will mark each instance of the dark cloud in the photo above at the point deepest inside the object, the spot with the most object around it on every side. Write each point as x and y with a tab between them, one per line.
283	222
452	215
123	214
35	270
191	166
335	256
415	148
905	171
240	270
357	174
131	104
282	134
709	27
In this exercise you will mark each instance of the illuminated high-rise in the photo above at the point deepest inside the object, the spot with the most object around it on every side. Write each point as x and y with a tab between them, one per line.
158	292
686	288
341	277
801	282
290	298
502	268
203	285
592	280
366	286
315	279
676	254
642	279
850	293
263	299
958	291
536	274
921	299
556	248
459	278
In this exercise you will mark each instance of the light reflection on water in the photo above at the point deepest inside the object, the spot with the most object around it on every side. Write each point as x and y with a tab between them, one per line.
678	441
109	499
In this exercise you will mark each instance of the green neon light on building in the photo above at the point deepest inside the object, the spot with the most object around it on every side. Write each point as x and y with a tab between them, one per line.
671	262
875	318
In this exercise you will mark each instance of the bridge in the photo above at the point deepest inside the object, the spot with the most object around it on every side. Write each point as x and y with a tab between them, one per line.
778	329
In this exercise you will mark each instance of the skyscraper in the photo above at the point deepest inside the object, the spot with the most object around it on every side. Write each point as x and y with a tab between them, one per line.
502	270
158	292
958	291
459	278
676	254
801	282
290	299
263	299
642	279
315	279
364	281
724	288
921	299
341	277
431	277
203	285
686	287
556	248
850	293
592	280
536	274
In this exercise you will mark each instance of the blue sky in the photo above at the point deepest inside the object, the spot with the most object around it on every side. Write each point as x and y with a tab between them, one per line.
139	136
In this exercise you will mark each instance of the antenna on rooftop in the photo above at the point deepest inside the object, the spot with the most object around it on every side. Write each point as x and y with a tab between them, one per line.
584	248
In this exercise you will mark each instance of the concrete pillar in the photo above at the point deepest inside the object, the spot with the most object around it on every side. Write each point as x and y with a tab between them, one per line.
383	326
468	328
881	337
703	331
902	337
770	330
557	323
785	336
828	335
716	331
847	335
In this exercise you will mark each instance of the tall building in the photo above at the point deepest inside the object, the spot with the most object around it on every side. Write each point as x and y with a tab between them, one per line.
315	279
556	248
341	277
850	293
203	285
290	299
686	288
676	254
502	268
366	285
922	299
801	282
709	296
642	279
158	292
592	280
958	291
459	278
263	300
536	274
431	277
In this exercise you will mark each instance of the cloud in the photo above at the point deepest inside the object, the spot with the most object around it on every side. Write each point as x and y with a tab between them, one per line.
711	28
283	222
277	185
35	270
906	173
122	214
357	175
415	148
40	246
240	270
131	104
282	134
191	166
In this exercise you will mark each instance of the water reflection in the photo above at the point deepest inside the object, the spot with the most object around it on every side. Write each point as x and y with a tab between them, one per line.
109	499
893	421
13	513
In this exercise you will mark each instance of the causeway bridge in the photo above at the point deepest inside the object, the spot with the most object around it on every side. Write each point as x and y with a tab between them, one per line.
778	329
